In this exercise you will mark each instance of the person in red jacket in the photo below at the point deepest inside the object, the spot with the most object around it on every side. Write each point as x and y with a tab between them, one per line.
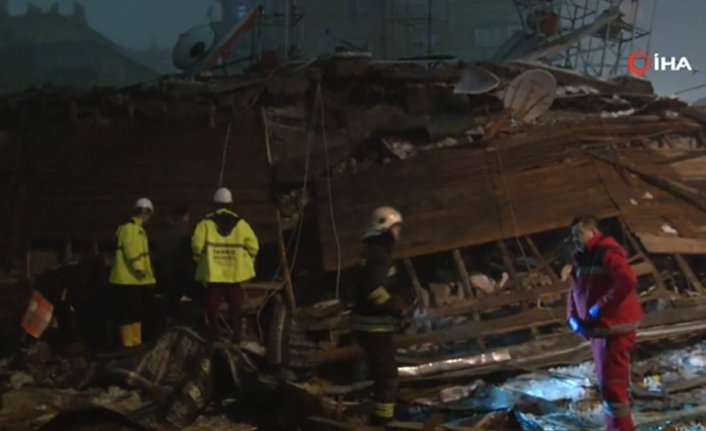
603	307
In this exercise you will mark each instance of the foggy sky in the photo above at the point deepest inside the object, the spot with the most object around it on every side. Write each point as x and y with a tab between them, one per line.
138	24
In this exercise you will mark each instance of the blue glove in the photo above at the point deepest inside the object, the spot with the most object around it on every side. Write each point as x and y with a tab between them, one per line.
577	327
595	311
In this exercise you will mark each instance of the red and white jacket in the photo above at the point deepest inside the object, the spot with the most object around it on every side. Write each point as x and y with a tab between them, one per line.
602	275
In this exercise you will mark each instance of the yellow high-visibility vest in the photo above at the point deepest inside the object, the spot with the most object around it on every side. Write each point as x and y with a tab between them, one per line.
228	258
132	255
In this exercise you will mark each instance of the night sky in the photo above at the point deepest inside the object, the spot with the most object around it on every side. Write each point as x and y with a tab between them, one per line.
678	29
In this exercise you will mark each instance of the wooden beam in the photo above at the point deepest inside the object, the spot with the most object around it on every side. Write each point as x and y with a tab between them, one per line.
463	274
284	261
524	320
468	289
689	273
412	273
636	246
544	262
434	421
507	259
686	193
670	245
499	300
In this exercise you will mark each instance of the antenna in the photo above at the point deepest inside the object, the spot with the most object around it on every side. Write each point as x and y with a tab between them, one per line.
199	50
476	80
191	47
530	94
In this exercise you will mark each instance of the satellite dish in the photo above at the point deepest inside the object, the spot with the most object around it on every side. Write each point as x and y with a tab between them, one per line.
530	94
629	11
476	80
193	46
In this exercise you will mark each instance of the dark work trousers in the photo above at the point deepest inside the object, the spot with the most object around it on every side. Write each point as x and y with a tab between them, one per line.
132	303
612	359
380	351
235	298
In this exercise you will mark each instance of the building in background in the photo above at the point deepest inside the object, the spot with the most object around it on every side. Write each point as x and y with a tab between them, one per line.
594	37
388	29
42	48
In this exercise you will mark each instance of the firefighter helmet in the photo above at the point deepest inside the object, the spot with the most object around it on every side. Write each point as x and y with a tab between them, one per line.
144	204
383	219
223	196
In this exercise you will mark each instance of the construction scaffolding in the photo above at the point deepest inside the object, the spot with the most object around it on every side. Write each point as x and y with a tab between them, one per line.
603	52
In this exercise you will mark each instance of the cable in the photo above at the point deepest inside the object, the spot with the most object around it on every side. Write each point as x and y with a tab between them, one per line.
300	225
512	209
330	197
223	156
305	181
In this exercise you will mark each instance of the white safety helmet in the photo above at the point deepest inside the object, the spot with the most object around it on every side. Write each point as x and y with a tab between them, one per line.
223	196
145	204
383	218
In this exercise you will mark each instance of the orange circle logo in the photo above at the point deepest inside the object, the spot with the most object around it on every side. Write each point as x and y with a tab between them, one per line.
646	66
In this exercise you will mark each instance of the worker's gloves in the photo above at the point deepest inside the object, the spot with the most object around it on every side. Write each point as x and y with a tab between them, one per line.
578	327
595	311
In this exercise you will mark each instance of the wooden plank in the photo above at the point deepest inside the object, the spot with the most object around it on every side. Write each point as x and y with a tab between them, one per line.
671	245
524	320
507	259
409	267
538	255
433	422
661	287
643	268
691	311
459	206
463	274
499	300
330	424
689	273
469	291
688	194
284	261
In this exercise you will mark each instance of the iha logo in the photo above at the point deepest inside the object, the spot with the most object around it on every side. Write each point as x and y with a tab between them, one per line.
640	62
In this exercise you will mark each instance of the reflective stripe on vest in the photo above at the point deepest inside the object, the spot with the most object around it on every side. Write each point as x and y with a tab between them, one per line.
224	245
385	410
374	323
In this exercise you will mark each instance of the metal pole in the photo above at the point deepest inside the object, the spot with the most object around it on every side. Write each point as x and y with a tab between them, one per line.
286	30
652	25
429	28
634	28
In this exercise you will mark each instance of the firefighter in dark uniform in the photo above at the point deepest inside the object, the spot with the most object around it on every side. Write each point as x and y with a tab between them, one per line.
378	309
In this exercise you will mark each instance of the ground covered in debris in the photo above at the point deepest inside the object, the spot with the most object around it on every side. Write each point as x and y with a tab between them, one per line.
668	394
46	391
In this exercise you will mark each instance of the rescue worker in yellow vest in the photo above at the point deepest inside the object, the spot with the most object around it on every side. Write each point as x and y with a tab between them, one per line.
378	308
132	273
224	247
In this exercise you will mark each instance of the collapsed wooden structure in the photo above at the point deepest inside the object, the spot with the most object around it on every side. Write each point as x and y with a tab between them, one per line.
350	134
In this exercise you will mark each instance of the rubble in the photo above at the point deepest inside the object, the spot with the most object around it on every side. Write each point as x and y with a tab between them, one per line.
487	197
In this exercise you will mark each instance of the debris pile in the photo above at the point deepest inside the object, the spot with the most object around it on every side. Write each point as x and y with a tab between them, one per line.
489	163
